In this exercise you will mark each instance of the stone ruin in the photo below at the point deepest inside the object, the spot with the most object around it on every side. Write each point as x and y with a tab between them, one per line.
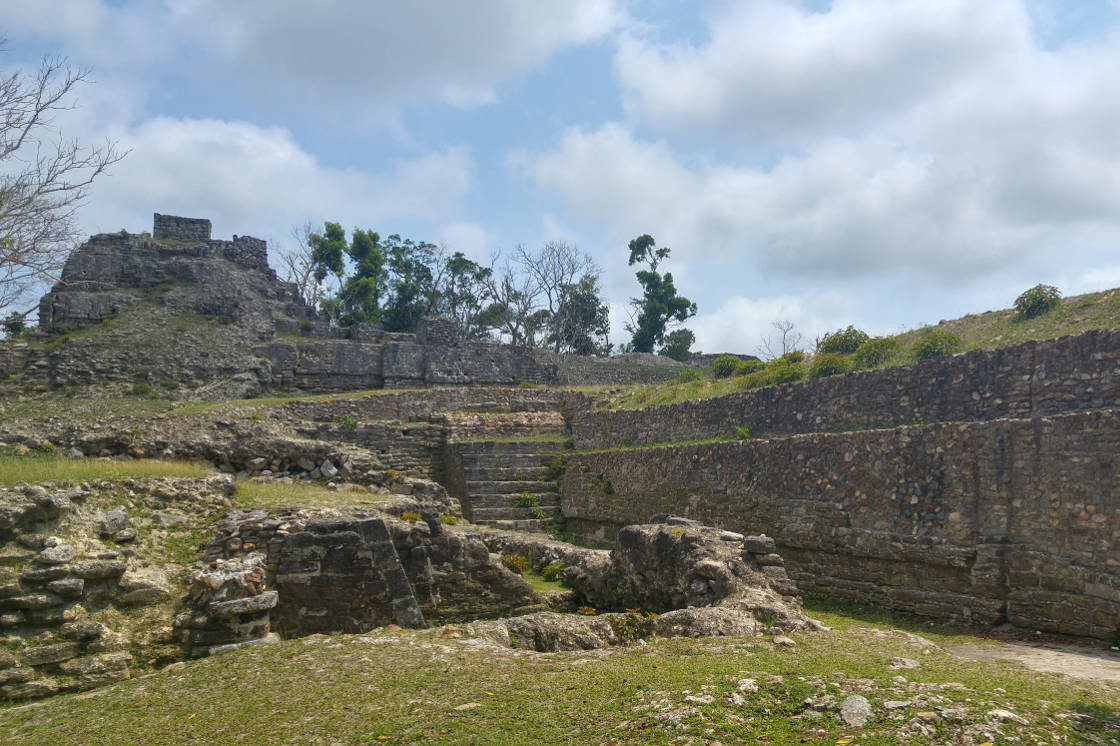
178	305
303	572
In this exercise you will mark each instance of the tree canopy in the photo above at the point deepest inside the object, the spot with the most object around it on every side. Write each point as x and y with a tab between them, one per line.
660	305
549	297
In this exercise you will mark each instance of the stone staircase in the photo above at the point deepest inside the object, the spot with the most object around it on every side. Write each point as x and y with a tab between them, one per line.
507	483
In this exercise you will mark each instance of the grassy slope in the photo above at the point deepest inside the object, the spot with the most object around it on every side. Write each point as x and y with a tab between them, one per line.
40	468
1075	315
432	687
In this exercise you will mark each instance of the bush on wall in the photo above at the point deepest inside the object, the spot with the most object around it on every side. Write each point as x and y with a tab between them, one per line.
842	341
828	364
936	344
874	352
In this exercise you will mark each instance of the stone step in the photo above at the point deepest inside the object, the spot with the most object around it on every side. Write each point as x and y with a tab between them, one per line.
511	514
519	447
505	460
504	473
547	500
505	488
533	525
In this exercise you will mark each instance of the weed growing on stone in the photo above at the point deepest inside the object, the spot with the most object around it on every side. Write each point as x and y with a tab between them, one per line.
518	563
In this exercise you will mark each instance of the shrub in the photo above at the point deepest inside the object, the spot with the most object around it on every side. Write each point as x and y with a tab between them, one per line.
745	432
448	520
348	422
690	375
141	388
842	341
410	515
527	500
516	562
1037	301
828	364
724	366
785	371
756	380
793	356
553	571
936	344
746	367
13	325
555	468
873	352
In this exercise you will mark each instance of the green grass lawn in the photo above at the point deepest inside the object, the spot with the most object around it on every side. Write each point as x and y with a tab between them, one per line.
541	584
433	687
42	467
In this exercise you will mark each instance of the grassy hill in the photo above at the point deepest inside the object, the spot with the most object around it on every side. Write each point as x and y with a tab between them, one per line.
1076	314
1073	315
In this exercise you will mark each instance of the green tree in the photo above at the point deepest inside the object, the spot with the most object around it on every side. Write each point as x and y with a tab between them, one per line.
414	273
659	305
464	294
678	345
361	293
328	250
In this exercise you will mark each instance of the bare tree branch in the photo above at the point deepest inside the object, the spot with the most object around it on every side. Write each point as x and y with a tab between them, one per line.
788	340
44	177
297	265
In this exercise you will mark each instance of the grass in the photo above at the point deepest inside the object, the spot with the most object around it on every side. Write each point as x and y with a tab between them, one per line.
1074	315
274	495
540	584
40	468
433	687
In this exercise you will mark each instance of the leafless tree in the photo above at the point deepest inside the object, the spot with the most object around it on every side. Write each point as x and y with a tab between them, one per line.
787	340
298	267
44	177
516	293
555	267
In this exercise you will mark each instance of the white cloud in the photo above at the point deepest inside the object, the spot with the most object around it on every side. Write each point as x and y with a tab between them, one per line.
774	70
742	324
353	57
933	139
259	180
470	238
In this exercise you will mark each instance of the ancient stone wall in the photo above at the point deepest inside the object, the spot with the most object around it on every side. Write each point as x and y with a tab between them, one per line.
1011	519
413	448
175	228
1033	378
318	365
354	572
583	370
423	405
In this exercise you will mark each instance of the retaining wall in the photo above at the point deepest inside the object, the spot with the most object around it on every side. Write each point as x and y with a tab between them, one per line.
1011	519
1033	378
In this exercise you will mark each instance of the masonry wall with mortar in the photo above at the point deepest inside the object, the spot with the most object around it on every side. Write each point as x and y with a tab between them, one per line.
1011	519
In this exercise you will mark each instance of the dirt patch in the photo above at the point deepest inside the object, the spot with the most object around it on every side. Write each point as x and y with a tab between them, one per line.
1076	661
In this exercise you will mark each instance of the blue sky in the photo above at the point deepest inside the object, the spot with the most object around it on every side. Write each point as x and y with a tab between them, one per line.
858	161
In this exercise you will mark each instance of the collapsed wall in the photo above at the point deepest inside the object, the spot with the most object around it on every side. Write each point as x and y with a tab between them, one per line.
1009	520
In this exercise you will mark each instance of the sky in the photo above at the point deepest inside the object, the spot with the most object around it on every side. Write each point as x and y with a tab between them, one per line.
870	162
